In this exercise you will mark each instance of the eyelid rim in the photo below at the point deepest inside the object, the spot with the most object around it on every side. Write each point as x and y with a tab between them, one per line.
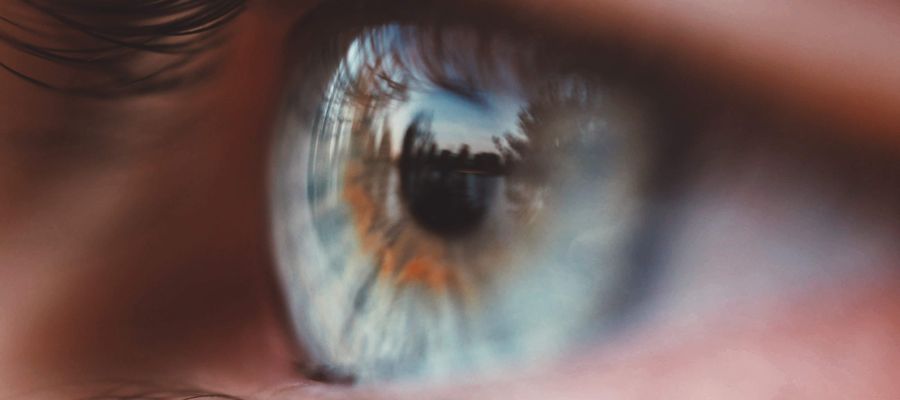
856	82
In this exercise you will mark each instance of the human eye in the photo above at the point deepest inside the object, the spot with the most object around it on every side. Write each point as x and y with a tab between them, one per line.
457	195
455	198
463	200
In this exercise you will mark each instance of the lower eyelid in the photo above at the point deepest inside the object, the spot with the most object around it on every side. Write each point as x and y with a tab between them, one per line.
779	348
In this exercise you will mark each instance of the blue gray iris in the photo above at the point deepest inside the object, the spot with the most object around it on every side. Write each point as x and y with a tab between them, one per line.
440	216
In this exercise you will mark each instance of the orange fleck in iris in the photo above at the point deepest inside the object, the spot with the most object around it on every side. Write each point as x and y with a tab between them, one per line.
427	271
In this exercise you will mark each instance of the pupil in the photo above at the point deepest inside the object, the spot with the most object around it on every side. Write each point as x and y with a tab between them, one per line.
447	193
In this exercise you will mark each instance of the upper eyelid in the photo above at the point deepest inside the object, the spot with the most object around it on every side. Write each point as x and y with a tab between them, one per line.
834	65
835	61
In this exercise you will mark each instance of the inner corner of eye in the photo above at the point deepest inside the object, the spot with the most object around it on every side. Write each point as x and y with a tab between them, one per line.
443	216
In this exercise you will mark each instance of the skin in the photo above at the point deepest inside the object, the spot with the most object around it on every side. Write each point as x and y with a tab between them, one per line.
143	253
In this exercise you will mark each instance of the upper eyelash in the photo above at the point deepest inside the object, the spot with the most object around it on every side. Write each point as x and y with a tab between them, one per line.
119	32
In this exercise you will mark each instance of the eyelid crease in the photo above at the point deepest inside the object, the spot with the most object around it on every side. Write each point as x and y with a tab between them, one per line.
115	37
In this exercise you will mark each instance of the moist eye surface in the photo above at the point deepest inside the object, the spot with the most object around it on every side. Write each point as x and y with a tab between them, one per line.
461	201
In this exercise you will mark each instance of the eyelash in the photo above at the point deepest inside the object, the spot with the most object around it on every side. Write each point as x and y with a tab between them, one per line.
192	27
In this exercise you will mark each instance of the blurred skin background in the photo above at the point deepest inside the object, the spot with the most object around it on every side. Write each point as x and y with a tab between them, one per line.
134	234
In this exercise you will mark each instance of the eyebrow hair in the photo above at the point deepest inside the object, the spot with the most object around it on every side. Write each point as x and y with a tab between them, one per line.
106	38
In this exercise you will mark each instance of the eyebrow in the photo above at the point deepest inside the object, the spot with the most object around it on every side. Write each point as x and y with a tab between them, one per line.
105	39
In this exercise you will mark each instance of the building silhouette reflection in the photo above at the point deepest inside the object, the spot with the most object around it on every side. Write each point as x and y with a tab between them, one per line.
447	192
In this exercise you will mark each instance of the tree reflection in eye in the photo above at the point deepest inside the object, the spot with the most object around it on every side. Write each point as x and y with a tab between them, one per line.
462	204
871	166
381	280
447	193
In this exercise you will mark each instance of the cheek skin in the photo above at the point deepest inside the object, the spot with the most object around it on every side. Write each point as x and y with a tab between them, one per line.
153	264
837	343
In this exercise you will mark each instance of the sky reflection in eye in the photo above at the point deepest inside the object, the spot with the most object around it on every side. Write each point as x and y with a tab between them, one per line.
467	211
